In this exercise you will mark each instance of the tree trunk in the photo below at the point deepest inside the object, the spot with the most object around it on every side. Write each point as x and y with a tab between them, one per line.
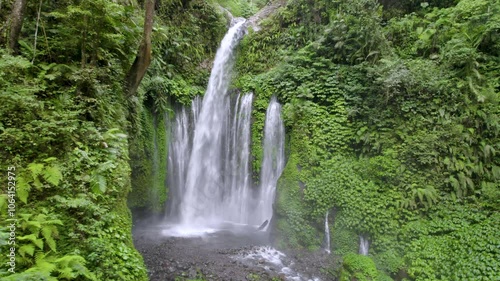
16	23
143	58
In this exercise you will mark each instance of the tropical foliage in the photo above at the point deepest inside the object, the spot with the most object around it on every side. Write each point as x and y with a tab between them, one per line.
70	131
391	111
392	121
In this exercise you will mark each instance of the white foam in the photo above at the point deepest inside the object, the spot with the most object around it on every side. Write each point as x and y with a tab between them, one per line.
269	254
274	257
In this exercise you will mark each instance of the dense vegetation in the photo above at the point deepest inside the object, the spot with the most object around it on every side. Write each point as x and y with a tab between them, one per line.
70	128
393	121
391	113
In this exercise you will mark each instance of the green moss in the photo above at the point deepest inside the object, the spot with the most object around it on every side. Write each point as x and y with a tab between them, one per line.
149	163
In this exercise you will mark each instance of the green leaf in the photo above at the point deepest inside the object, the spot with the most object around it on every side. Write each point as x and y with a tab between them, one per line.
23	189
52	174
36	169
98	183
496	172
27	249
48	233
33	239
3	201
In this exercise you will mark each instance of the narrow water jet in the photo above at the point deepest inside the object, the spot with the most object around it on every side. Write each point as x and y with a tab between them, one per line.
327	234
273	161
364	245
238	176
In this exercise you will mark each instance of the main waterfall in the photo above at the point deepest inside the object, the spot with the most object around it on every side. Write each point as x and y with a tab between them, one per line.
205	197
209	165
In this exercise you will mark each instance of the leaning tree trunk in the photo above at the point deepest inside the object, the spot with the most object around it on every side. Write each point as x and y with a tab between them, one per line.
143	57
16	23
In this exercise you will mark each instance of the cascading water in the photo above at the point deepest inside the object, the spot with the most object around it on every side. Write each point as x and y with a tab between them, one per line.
209	172
209	169
204	192
327	233
178	157
238	178
273	161
364	245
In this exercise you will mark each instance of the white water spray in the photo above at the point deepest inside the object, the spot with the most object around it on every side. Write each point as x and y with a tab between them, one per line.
209	171
274	159
201	203
327	234
364	245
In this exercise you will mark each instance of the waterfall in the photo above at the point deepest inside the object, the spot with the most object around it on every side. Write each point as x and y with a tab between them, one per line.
209	168
178	156
327	234
209	196
364	245
273	161
238	176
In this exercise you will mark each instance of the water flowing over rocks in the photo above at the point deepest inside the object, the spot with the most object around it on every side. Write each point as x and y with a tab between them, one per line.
236	253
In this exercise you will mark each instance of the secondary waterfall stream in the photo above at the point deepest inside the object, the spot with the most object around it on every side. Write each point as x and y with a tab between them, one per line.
327	234
364	245
274	159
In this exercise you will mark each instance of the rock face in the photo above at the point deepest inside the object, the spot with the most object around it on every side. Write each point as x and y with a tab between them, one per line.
255	20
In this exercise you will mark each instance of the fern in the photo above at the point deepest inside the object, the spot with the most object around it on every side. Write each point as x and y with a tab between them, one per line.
27	249
43	263
52	174
98	183
72	266
36	169
23	189
33	238
47	232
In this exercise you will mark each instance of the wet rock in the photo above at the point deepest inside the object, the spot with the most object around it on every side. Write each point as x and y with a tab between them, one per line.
218	258
192	273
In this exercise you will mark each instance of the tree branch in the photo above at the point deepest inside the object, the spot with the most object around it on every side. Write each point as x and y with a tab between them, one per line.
143	57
